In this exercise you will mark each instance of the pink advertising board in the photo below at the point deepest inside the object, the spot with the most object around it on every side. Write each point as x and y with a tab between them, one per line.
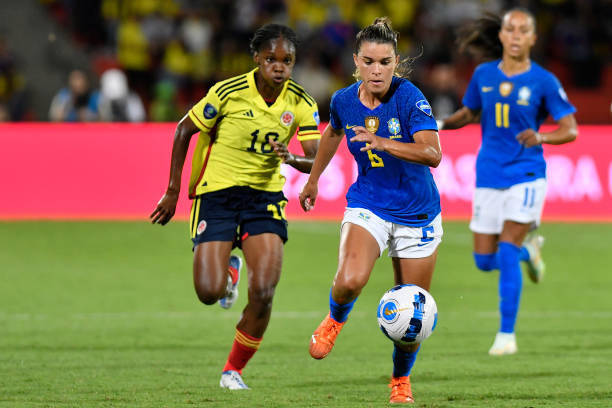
119	171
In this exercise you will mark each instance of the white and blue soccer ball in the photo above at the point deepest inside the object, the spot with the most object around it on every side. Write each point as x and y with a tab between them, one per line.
407	314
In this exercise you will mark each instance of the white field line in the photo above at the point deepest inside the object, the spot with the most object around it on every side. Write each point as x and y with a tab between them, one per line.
285	315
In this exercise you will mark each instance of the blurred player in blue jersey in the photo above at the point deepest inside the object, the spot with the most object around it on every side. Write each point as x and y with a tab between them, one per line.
512	95
394	204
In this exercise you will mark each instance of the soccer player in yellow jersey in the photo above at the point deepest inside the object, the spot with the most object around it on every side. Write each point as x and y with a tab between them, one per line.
245	125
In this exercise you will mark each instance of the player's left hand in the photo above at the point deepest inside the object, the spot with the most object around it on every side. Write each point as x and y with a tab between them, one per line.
282	151
372	141
529	138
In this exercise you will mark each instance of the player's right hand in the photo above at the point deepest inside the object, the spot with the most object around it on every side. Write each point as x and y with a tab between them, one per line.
529	138
165	208
308	195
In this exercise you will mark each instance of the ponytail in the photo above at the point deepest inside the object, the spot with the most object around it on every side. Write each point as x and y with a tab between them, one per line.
481	36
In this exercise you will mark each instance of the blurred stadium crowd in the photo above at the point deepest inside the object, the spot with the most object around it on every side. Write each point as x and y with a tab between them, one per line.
152	59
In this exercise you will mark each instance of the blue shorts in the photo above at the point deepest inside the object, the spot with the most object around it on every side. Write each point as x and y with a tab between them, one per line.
235	213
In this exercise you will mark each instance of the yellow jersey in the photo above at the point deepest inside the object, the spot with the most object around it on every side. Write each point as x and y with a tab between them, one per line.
233	147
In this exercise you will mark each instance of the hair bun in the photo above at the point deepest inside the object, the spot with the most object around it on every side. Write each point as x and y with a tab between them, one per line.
384	21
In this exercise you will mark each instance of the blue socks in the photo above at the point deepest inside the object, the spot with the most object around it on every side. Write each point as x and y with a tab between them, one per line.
510	284
489	262
507	259
486	262
340	312
403	361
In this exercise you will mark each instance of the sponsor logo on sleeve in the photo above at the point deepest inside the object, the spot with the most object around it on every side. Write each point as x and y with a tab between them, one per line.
209	111
316	117
424	107
562	94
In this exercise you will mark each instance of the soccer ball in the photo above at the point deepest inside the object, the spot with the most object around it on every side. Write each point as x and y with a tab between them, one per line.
407	314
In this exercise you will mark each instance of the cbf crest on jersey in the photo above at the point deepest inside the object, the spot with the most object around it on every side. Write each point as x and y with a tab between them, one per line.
524	94
394	127
505	88
371	123
287	118
209	111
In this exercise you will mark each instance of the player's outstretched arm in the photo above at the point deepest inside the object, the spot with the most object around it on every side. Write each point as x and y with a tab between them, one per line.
164	211
330	140
565	133
463	116
301	163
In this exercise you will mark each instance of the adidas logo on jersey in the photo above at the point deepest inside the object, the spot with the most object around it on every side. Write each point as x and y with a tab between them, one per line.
248	113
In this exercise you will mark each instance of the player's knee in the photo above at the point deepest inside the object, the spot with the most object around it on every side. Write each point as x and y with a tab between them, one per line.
210	283
346	290
260	300
208	294
207	297
262	295
486	262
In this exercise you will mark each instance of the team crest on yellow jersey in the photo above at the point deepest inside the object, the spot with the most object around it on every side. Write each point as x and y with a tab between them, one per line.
371	123
505	88
287	118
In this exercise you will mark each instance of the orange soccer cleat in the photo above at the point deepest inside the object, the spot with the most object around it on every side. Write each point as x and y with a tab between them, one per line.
322	340
401	393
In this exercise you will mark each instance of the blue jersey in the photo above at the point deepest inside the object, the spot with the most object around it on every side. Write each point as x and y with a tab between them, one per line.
393	189
508	106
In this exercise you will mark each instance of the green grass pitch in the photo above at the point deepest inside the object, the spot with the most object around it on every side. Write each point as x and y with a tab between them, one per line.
103	314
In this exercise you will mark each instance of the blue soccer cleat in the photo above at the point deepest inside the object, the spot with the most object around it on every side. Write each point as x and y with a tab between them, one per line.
233	277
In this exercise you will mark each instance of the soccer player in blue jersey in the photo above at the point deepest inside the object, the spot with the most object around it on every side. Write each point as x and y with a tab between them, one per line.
512	96
394	204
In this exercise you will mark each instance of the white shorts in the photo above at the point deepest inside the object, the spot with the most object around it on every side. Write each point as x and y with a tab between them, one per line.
521	203
402	241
